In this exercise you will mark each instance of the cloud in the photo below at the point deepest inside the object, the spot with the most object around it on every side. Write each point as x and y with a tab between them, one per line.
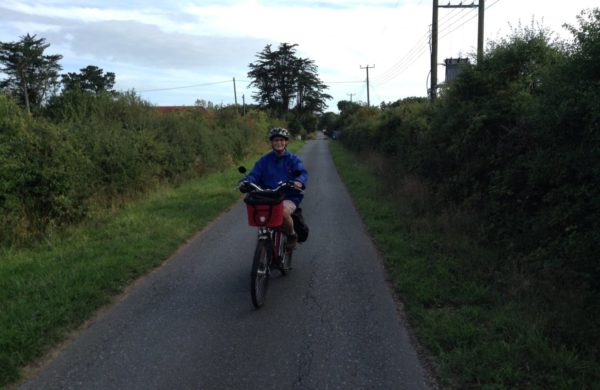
336	5
112	37
155	44
144	44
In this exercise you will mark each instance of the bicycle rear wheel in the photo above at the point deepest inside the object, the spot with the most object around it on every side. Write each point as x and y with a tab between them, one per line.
259	277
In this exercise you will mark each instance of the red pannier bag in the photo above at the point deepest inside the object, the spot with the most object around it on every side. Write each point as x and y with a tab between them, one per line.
264	208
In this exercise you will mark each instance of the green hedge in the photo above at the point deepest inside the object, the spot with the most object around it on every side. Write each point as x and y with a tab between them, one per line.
515	142
89	151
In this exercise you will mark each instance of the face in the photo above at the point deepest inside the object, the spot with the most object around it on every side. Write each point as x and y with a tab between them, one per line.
279	144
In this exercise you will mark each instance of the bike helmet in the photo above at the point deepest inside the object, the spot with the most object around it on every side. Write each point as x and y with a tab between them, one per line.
279	132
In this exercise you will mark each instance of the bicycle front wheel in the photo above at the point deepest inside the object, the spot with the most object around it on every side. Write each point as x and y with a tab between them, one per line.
259	277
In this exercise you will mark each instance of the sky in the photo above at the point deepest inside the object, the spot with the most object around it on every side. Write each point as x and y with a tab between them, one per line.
177	52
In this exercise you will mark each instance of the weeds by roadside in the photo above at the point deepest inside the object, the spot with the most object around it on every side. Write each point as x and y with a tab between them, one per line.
477	334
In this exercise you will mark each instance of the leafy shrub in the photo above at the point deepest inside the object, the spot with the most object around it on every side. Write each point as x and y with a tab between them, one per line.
103	149
42	175
515	142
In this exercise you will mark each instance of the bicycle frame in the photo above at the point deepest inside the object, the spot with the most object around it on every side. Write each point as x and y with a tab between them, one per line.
277	241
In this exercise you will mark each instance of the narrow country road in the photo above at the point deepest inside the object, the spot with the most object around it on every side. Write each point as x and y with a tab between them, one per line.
331	323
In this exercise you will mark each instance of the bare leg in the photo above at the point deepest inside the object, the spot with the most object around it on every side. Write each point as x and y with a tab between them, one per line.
288	223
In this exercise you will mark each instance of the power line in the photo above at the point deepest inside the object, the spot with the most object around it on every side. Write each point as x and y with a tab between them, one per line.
344	82
412	53
185	86
411	56
472	17
462	14
415	52
401	66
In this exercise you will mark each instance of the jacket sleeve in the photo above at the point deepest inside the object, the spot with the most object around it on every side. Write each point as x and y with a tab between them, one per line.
255	174
299	166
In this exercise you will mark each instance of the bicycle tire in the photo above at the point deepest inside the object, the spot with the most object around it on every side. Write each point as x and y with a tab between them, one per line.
259	277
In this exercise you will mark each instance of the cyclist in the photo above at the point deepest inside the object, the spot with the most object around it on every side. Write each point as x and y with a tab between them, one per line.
280	165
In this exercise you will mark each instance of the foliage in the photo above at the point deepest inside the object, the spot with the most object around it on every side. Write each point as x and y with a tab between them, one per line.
310	97
31	74
43	177
475	335
514	143
328	121
100	150
90	79
347	107
280	77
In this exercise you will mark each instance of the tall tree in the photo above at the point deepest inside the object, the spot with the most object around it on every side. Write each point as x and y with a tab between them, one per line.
280	77
31	74
91	79
310	97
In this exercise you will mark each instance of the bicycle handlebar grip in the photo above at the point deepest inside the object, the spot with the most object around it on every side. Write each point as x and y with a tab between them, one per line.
245	186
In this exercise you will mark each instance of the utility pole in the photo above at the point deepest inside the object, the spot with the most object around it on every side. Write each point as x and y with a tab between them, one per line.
480	31
434	49
368	95
235	93
350	94
434	38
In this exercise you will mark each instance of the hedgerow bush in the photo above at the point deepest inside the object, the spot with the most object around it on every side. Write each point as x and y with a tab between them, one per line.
42	174
88	151
515	141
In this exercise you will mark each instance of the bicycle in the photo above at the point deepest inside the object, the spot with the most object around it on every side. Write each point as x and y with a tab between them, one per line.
265	211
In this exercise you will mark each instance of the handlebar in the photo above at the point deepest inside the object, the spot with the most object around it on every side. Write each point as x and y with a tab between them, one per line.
256	188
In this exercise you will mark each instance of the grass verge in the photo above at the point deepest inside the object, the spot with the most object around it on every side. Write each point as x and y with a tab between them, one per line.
51	288
476	335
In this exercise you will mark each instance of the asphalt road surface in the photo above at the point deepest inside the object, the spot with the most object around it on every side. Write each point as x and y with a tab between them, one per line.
331	323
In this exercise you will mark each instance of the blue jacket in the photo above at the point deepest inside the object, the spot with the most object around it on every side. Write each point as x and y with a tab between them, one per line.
272	169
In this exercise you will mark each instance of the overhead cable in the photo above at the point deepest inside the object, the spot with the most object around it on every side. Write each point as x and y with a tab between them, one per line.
186	86
446	27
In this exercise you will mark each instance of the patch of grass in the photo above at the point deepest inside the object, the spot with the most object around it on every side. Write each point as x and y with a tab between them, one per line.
51	288
476	335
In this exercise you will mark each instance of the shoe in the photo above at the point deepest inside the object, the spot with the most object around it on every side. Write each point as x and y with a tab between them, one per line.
292	240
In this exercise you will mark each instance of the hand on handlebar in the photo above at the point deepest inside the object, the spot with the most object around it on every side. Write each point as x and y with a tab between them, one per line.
244	186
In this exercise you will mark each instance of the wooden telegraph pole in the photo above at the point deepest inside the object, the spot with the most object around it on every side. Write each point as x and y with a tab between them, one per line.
434	49
235	93
368	95
480	31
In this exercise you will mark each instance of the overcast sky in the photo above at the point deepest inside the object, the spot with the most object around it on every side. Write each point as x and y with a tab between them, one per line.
174	52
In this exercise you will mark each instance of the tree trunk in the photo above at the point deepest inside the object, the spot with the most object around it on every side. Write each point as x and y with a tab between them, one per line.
25	92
